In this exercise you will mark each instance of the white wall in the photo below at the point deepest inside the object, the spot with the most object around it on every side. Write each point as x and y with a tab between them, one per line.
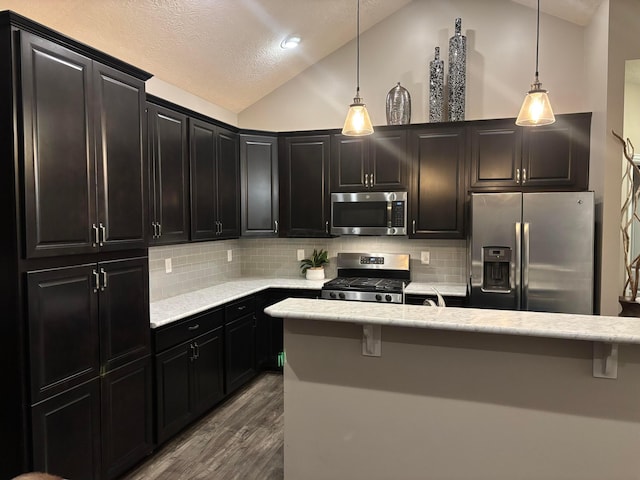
500	66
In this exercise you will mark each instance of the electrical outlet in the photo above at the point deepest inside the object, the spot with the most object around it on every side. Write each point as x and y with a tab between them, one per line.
425	257
229	255
167	265
300	254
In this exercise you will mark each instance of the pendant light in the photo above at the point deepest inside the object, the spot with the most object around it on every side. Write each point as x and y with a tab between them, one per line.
536	108
357	122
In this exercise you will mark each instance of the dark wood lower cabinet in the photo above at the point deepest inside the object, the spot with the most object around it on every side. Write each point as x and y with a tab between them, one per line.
189	381
126	417
240	343
66	433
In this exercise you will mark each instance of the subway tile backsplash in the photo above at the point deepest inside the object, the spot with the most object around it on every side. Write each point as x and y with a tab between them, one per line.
199	265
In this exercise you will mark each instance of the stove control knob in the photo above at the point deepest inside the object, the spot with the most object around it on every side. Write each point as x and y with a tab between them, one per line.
378	297
387	297
332	294
341	295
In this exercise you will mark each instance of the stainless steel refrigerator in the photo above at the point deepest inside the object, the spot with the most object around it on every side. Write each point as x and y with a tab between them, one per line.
532	251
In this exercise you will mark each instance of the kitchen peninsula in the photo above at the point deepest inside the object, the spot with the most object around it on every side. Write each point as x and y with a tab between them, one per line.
458	393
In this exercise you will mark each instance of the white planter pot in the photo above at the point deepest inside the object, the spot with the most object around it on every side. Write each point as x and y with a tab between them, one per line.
315	273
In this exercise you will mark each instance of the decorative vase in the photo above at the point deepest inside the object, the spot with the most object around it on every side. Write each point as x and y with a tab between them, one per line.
398	106
457	73
315	273
436	88
630	308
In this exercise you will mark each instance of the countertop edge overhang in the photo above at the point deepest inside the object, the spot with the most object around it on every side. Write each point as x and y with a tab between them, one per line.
507	322
172	309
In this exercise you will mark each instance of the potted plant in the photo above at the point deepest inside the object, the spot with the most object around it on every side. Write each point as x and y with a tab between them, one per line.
313	267
629	215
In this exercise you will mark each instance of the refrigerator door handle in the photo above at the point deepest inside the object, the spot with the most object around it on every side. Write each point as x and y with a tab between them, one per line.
517	262
525	266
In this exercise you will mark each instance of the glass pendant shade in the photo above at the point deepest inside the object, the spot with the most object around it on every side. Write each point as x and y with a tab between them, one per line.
358	121
536	108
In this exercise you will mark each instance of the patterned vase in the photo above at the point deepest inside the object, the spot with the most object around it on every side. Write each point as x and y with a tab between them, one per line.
436	88
457	73
398	106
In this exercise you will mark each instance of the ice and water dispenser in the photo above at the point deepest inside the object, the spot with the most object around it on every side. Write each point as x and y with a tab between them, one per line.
496	269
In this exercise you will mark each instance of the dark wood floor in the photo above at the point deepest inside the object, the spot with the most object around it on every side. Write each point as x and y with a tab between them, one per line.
242	439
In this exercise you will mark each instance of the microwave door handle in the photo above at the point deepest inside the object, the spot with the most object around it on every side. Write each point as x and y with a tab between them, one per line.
389	214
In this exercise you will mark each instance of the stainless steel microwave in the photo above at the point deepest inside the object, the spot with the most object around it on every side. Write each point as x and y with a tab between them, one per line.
369	213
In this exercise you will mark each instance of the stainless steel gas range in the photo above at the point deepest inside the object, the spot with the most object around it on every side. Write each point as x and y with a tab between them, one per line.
369	277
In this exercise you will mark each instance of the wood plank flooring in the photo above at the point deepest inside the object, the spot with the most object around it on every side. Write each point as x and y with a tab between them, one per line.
242	439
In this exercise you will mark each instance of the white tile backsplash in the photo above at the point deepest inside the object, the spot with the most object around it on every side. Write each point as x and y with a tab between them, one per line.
200	265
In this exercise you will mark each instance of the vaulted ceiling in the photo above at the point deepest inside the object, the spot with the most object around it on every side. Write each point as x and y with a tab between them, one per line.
228	51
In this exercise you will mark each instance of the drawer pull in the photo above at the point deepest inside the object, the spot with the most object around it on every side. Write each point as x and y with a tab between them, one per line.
242	307
193	327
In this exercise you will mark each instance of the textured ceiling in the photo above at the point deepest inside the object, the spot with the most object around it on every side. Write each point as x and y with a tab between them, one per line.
227	51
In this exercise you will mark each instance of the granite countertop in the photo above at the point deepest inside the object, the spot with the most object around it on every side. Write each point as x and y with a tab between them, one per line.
536	324
175	308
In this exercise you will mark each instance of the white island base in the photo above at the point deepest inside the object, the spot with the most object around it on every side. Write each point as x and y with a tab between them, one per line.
441	404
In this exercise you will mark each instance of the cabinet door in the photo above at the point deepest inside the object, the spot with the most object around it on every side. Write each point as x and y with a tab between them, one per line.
496	154
173	390
349	163
259	188
388	160
63	329
438	193
202	155
126	417
59	175
120	159
228	184
124	311
208	370
240	351
170	175
305	205
66	433
556	157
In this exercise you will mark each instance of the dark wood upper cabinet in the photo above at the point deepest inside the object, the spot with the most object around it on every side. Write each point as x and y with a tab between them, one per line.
59	166
304	187
374	163
259	187
505	157
168	151
215	181
120	159
438	188
84	166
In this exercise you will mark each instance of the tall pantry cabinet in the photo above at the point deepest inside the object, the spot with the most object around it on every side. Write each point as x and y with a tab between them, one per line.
74	335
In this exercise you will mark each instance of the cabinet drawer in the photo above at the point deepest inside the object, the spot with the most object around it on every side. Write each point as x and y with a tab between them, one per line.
239	308
187	329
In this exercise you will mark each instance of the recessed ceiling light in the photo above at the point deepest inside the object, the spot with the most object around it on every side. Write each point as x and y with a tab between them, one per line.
291	41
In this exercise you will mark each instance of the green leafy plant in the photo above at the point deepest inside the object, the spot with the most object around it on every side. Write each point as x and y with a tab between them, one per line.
319	258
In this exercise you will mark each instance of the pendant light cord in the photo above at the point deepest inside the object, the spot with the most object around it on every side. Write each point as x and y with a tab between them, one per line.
537	39
358	51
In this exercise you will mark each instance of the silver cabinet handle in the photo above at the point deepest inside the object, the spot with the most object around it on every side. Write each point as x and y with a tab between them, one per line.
96	235
371	181
414	226
193	352
103	234
96	281
242	307
193	327
221	226
517	175
277	226
153	226
366	180
326	226
104	279
197	350
159	229
524	176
